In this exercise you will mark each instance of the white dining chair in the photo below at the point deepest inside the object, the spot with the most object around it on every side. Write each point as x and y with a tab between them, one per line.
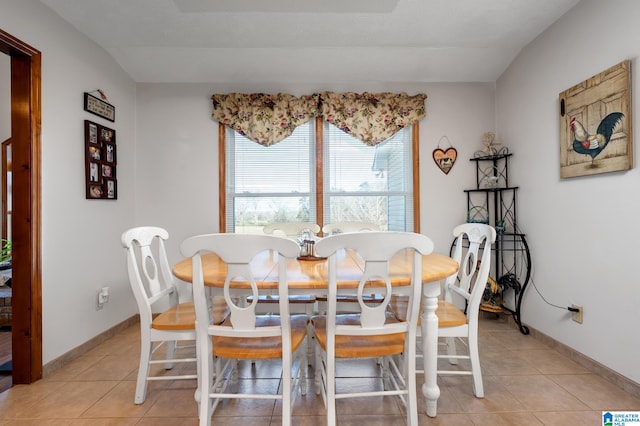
245	335
153	284
300	303
373	332
342	227
346	301
290	229
458	312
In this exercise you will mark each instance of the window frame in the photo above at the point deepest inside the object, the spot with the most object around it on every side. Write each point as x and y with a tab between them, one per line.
319	149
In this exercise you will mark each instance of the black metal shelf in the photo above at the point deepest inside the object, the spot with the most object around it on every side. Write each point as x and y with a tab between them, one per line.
492	189
513	262
493	202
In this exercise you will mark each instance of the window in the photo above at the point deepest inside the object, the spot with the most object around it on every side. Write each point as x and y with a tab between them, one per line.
368	184
269	184
350	182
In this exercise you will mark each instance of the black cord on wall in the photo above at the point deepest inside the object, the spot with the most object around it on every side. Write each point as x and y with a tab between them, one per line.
568	308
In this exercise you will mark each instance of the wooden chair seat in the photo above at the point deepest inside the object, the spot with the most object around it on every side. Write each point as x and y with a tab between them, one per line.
298	304
178	317
264	347
359	346
449	315
183	315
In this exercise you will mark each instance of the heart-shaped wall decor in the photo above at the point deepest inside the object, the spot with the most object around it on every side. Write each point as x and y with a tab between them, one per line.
445	159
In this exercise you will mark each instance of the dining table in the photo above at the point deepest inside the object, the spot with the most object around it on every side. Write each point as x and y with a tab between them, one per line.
308	275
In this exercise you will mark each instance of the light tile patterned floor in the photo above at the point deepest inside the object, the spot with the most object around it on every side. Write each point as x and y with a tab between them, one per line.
526	383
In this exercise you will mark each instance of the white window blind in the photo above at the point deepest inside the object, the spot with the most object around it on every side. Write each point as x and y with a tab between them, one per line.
368	184
270	184
278	183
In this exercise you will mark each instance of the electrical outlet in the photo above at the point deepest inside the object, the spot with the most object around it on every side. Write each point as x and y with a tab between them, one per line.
577	316
103	297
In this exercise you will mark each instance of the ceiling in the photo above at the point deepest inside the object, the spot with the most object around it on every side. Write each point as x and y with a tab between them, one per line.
306	41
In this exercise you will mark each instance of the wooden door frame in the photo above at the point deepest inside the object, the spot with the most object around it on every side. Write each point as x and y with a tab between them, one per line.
26	220
6	168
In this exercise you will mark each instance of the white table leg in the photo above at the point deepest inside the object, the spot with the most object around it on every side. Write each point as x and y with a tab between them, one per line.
430	389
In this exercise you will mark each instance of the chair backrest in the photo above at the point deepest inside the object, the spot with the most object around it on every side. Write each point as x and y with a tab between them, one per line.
342	227
473	253
377	249
237	251
149	272
290	229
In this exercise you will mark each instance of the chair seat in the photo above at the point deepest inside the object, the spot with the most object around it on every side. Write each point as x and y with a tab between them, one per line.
359	346
179	317
263	347
448	314
183	316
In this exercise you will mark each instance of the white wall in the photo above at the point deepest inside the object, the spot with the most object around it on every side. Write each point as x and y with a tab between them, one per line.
177	152
582	231
463	113
81	249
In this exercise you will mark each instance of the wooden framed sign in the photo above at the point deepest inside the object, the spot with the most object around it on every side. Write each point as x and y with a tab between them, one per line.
595	124
99	107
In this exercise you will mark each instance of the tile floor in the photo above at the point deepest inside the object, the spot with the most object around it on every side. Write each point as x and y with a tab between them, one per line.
526	383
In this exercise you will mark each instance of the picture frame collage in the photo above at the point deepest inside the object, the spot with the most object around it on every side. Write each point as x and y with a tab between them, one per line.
100	162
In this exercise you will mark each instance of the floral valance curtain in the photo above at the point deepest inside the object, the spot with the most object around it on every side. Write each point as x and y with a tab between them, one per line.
268	119
263	118
371	117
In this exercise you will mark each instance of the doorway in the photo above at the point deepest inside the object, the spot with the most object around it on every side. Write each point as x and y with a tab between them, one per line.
26	301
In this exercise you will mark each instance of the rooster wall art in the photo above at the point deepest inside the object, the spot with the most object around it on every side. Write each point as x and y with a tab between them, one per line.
594	144
596	130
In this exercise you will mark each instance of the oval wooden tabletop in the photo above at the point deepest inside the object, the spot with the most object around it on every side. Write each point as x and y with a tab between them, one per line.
312	274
